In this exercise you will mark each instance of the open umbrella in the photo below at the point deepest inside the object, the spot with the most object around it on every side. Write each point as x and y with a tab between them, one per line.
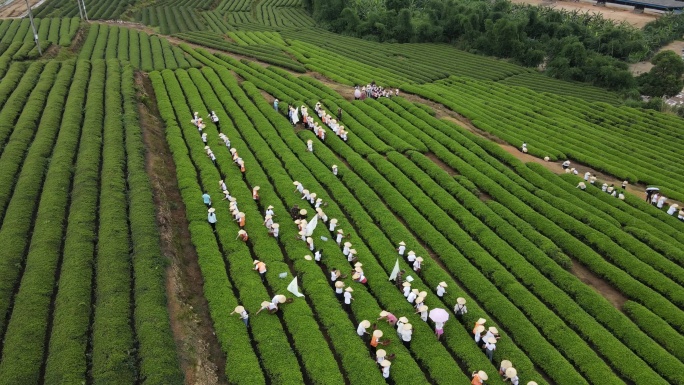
311	226
439	315
651	188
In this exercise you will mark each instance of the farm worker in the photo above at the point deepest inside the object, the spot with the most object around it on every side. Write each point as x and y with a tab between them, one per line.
416	265
298	187
359	277
302	234
357	93
512	376
524	148
334	274
587	175
624	184
265	305
242	234
332	224
275	230
654	199
234	154
212	157
380	355
391	318
195	118
269	211
505	364
241	163
574	171
566	164
352	255
479	378
339	290
412	295
318	255
207	199
407	288
211	218
204	137
222	185
306	195
406	334
226	141
672	209
275	105
242	313
340	235
681	214
661	201
226	195
423	311
343	135
348	298
312	198
214	117
309	145
241	220
604	187
400	325
309	241
375	339
361	330
492	332
441	289
581	186
478	333
411	257
460	308
261	268
346	248
419	301
401	248
610	188
334	169
439	329
490	347
318	204
592	179
268	221
255	193
621	195
386	368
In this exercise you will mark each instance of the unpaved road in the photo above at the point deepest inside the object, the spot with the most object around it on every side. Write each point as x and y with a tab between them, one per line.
612	11
16	8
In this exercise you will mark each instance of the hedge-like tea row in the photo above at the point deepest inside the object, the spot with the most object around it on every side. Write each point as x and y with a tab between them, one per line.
69	342
157	350
24	341
97	9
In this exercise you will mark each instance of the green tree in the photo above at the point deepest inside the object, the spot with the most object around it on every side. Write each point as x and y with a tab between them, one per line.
403	30
665	78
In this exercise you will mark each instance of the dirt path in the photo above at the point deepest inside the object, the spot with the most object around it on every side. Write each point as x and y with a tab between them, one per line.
599	285
16	8
645	66
611	11
201	357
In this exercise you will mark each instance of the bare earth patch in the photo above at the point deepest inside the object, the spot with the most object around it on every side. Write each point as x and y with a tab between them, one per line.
16	8
599	285
611	11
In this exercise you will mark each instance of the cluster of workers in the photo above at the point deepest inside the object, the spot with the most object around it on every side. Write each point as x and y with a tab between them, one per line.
374	91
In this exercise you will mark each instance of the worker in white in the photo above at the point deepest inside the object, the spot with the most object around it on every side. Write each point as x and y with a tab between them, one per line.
411	257
269	211
441	289
312	198
386	368
566	164
321	215
401	248
306	195
592	179
460	308
380	355
581	186
407	288
346	248
417	264
268	221
423	311
298	187
309	145
412	295
275	230
340	235
512	375
332	224
334	169
587	175
661	201
672	209
604	187
310	242
222	185
406	334
361	330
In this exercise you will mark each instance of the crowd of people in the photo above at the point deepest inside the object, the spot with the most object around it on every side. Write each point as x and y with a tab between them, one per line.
367	331
372	90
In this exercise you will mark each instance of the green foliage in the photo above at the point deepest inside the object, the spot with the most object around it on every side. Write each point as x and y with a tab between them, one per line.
665	78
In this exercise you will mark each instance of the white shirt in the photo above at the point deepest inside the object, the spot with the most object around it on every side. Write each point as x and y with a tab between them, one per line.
440	291
439	325
411	297
424	315
587	175
269	212
407	291
416	266
244	315
333	276
275	232
339	237
360	330
347	298
345	250
515	380
400	327
489	346
339	290
317	256
671	210
379	359
332	227
406	335
211	218
463	308
411	257
401	249
385	371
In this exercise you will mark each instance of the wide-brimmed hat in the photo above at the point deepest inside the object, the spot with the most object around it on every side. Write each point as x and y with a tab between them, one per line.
309	240
493	330
268	217
505	364
313	195
546	158
333	220
358	270
340	231
298	221
305	191
347	244
491	340
511	372
334	166
256	188
349	289
419	259
365	323
296	183
302	212
358	264
265	304
242	232
385	363
226	192
403	319
233	199
460	301
281	298
239	309
352	251
377	333
384	313
221	181
443	284
423	308
407	327
483	376
380	353
241	214
206	147
211	210
412	252
232	150
406	284
480	321
531	383
415	291
423	294
307	257
402	243
275	225
420	299
269	207
256	261
339	284
356	276
479	329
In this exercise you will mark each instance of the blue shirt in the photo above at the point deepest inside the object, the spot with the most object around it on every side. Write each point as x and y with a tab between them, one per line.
207	198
